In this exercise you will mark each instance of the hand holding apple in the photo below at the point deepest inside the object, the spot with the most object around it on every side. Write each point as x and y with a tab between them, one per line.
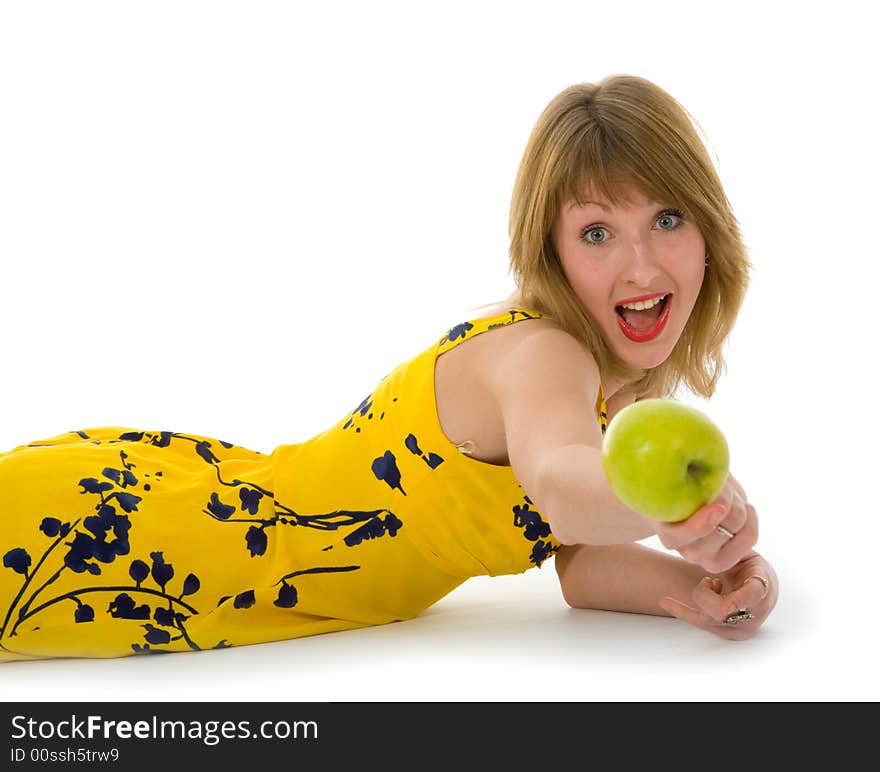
664	459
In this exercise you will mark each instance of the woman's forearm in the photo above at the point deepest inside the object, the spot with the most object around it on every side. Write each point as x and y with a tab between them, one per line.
624	577
574	495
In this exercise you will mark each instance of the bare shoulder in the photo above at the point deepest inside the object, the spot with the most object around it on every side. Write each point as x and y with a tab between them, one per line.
544	384
540	351
469	384
489	354
543	378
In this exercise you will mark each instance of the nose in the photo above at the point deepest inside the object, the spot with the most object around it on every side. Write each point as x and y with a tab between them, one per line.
640	269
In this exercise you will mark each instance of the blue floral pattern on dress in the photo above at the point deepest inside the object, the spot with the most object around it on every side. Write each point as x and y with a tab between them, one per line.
83	545
535	529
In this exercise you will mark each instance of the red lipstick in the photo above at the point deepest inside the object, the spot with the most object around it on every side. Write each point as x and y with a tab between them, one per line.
640	297
640	336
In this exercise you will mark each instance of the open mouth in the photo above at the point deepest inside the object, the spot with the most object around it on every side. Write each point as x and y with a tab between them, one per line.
646	323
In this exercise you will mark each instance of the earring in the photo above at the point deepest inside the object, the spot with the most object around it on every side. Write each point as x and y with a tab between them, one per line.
707	259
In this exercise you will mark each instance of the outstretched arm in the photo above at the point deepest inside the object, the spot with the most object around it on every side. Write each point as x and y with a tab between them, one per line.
555	448
637	579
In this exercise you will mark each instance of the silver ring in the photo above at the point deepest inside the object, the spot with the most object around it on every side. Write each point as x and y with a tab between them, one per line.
724	532
743	615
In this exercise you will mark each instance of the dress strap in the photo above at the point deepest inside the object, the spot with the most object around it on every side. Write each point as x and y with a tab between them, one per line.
466	330
602	409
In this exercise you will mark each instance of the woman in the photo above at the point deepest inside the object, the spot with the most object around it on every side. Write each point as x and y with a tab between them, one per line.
480	455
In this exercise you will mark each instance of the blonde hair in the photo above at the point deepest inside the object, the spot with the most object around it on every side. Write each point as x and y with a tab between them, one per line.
595	139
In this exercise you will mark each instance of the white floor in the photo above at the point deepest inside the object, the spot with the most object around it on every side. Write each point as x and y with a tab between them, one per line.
502	639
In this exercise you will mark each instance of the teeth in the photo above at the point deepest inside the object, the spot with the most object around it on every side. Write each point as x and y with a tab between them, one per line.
643	304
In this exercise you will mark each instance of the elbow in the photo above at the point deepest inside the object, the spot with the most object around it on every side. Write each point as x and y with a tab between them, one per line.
564	494
572	529
576	500
571	596
563	527
570	589
561	533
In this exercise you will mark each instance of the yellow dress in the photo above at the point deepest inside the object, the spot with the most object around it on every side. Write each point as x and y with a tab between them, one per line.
119	541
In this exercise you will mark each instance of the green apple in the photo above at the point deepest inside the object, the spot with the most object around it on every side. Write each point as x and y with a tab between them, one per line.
664	459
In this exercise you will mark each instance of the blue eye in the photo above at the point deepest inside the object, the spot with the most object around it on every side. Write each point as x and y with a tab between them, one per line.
672	214
673	217
589	238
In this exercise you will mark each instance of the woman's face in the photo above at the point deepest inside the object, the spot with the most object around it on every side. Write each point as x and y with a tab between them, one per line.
639	251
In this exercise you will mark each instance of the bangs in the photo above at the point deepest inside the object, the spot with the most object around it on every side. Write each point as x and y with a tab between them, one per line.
602	168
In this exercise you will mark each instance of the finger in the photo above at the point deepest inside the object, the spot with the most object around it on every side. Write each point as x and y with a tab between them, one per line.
734	521
739	546
738	515
716	511
684	612
714	551
707	595
735	483
748	595
698	525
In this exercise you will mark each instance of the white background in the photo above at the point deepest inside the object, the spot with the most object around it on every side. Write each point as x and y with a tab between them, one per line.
232	219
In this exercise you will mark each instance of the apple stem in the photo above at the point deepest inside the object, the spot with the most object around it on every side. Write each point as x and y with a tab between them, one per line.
695	469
